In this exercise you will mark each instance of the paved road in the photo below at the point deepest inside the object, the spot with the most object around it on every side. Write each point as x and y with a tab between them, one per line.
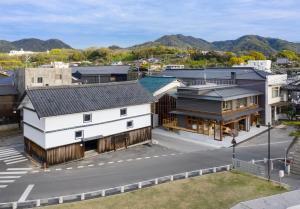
125	171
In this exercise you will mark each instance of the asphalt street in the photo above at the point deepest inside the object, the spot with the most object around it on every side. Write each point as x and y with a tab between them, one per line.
130	168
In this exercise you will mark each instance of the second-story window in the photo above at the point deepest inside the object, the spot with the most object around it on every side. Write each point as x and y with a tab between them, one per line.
40	79
240	103
87	118
275	92
226	105
253	100
123	112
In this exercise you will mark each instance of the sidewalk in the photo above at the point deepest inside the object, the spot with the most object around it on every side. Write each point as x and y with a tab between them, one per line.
208	140
280	201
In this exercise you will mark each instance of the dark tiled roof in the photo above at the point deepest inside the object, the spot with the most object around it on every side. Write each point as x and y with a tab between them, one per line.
101	70
221	93
62	100
8	90
217	73
294	86
154	83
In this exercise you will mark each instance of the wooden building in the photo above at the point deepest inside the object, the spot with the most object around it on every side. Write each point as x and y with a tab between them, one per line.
8	100
164	90
62	123
214	110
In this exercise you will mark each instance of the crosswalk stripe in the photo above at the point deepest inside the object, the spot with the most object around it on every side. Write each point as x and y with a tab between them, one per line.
2	186
9	177
7	158
10	154
14	162
8	151
14	159
7	181
13	173
1	149
19	169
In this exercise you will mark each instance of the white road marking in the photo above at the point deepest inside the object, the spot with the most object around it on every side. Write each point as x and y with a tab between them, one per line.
129	160
47	170
147	157
7	181
69	168
1	149
16	162
138	158
2	186
7	158
9	177
14	159
111	162
58	169
101	164
19	169
120	161
155	156
35	171
80	166
173	154
255	145
164	155
13	173
26	193
90	165
9	154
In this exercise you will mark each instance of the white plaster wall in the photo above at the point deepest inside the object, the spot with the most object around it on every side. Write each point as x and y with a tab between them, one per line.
74	120
34	135
59	138
31	118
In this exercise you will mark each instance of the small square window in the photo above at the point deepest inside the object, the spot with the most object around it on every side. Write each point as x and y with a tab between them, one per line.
123	112
129	124
78	134
40	79
87	118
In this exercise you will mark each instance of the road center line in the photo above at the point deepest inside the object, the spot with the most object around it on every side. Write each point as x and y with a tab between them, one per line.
26	193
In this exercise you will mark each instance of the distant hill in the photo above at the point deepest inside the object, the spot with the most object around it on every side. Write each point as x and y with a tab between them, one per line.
33	44
245	43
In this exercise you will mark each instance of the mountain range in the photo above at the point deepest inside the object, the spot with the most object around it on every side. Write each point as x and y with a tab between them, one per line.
32	44
266	45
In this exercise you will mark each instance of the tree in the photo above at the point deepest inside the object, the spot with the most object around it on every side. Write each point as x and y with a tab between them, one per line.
236	61
288	54
257	55
247	58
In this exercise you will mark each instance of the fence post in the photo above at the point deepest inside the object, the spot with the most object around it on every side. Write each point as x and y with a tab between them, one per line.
200	172
38	203
214	170
15	205
156	181
103	193
228	167
82	196
122	189
272	165
61	200
171	178
186	175
140	185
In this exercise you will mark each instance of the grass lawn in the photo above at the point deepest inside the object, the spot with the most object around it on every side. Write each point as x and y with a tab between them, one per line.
214	191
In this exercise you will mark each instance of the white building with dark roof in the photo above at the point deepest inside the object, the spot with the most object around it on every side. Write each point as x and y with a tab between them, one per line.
61	123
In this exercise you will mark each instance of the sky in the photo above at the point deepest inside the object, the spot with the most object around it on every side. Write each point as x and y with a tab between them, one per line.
87	23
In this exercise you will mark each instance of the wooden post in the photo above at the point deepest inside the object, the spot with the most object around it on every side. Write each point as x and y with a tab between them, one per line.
221	131
214	130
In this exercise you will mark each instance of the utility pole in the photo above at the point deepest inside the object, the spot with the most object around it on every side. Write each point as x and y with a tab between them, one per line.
269	152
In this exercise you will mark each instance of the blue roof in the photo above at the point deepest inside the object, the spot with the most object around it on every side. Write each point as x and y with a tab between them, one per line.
154	83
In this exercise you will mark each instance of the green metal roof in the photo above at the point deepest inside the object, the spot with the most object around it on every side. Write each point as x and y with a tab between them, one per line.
153	83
